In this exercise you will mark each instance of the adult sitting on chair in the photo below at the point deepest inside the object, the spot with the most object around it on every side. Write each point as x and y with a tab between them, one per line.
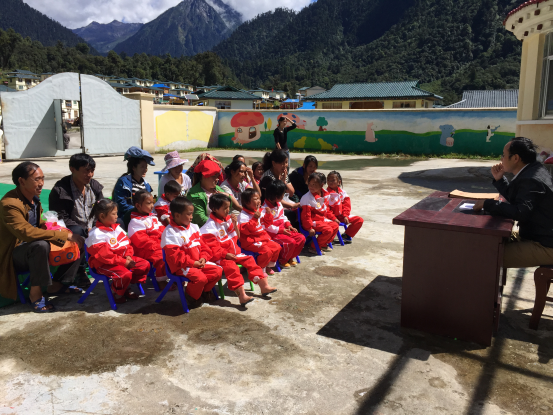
73	198
530	197
25	247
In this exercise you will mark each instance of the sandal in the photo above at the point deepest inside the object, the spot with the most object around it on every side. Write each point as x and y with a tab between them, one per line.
66	289
247	302
42	306
131	296
270	272
313	251
269	293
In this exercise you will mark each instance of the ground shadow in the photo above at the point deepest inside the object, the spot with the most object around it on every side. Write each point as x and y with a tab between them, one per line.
372	320
467	179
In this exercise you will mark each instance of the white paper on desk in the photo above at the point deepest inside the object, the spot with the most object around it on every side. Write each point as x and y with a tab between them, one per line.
466	206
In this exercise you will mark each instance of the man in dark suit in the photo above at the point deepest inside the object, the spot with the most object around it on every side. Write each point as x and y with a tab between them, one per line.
530	202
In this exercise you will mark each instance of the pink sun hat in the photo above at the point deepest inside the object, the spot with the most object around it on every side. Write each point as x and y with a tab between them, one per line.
172	160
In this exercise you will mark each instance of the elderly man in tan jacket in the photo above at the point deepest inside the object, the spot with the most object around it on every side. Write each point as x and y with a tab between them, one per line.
25	246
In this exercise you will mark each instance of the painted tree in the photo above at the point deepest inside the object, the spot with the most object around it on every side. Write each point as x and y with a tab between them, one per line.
269	124
265	125
322	122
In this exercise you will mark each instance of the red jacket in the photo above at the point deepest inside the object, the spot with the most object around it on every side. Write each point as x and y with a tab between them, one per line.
145	232
340	203
108	246
221	237
313	210
183	247
280	221
252	230
162	208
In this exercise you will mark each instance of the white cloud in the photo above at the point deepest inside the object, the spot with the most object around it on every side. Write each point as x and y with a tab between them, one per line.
79	13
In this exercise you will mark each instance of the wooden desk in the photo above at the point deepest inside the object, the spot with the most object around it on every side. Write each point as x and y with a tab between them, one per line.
452	269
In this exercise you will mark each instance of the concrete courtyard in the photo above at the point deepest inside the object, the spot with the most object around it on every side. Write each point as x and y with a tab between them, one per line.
328	342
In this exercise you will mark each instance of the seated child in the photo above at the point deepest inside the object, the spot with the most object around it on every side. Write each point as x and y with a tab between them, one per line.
187	254
253	236
316	215
340	204
281	230
257	169
221	235
171	190
111	253
145	231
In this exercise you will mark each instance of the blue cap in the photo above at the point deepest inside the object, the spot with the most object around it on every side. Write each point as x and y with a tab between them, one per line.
135	152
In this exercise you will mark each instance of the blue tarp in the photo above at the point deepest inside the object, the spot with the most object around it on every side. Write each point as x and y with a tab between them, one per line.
161	86
291	100
307	106
170	95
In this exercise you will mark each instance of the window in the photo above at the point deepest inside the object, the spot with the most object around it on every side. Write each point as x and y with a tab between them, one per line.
223	105
426	104
546	109
366	105
19	79
332	105
68	104
21	87
405	104
75	102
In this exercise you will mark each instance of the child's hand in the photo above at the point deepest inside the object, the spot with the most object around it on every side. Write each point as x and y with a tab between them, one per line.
312	232
130	263
203	261
346	221
233	218
257	214
268	211
292	229
337	221
198	264
230	257
285	231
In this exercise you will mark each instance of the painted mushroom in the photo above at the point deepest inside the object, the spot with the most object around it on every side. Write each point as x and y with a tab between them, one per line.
247	127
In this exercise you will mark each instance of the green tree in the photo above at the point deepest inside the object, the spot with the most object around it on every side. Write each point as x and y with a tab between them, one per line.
321	123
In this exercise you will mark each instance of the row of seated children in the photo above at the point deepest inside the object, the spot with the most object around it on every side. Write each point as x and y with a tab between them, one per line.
323	211
199	255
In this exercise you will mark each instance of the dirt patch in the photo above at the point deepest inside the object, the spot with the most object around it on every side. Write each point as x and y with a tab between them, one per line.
331	271
84	344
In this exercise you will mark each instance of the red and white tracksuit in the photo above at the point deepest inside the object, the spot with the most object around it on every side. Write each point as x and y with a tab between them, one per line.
254	238
315	214
340	204
109	247
221	238
162	209
145	235
291	244
183	246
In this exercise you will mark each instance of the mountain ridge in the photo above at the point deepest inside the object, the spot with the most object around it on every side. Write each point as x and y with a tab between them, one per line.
105	36
189	28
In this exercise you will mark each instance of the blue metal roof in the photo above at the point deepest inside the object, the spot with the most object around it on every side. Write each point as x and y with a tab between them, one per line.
502	98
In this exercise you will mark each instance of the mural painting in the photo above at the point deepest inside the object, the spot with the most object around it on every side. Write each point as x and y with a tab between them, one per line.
411	132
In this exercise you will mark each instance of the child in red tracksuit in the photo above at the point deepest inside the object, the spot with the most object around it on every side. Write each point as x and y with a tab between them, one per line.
111	253
340	204
316	215
221	234
281	230
171	190
145	231
188	255
253	236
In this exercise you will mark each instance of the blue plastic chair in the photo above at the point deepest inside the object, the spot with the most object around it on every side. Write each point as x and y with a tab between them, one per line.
20	286
152	276
310	238
105	280
179	280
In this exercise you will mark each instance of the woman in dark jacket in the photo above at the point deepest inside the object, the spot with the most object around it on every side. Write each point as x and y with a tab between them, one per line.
298	177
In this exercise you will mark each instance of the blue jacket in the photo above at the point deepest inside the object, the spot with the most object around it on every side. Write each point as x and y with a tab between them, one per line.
122	194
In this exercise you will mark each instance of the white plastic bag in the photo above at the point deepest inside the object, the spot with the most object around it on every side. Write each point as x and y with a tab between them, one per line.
52	218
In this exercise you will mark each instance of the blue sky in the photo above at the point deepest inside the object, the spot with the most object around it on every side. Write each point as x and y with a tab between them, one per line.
82	12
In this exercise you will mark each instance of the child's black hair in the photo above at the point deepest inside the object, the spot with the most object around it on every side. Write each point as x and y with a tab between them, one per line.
334	172
102	206
264	185
275	190
317	177
238	156
218	200
323	177
172	187
140	196
179	204
247	196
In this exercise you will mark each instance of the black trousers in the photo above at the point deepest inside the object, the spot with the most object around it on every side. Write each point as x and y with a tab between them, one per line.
33	258
78	230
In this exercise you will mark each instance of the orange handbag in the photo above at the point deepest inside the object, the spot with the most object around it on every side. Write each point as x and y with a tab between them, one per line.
65	254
